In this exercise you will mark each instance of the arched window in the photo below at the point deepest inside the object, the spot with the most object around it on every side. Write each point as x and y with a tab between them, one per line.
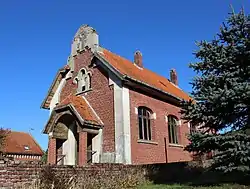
192	128
172	129
83	80
144	115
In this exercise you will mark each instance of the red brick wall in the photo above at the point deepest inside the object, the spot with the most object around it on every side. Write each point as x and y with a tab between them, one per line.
82	148
14	175
143	153
100	98
52	151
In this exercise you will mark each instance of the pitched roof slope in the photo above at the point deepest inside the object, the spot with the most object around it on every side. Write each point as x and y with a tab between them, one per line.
128	68
46	102
82	107
21	143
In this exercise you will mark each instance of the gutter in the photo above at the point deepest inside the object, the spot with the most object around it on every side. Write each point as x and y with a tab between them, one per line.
154	88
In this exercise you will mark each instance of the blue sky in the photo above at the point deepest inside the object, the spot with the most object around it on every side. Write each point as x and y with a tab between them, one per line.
35	38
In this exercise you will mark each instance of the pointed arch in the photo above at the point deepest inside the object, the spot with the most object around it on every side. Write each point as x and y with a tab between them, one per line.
83	80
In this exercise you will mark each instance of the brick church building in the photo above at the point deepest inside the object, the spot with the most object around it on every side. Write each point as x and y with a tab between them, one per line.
107	109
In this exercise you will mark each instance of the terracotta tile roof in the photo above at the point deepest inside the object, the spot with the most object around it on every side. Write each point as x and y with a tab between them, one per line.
21	143
82	107
128	68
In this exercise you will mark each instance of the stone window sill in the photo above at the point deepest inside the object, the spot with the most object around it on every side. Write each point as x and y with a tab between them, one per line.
78	93
147	142
176	145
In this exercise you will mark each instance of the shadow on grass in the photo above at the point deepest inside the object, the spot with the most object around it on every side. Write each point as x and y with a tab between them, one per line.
185	174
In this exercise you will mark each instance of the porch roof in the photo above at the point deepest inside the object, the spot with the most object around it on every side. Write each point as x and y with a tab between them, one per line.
82	107
78	106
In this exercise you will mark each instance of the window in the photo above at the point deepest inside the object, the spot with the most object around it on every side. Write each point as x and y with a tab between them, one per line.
192	128
83	81
144	123
26	147
172	130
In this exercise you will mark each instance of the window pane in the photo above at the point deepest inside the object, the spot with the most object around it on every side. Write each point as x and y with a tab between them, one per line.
192	128
175	133
172	129
169	134
86	80
145	129
139	111
144	111
140	128
149	130
169	130
89	81
83	88
83	72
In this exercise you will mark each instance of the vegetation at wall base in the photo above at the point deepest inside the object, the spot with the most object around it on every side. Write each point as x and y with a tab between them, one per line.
51	178
178	186
221	97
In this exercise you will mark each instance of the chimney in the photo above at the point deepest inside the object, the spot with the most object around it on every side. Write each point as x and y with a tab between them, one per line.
138	59
173	76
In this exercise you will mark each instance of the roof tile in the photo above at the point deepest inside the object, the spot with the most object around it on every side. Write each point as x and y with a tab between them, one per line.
128	68
21	143
82	107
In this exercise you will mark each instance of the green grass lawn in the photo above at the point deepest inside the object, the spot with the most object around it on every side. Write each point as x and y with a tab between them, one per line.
227	186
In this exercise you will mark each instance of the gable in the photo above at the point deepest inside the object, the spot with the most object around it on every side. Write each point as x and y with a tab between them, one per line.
77	106
59	76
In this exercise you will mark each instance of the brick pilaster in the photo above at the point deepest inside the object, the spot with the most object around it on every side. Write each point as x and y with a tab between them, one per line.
52	151
82	148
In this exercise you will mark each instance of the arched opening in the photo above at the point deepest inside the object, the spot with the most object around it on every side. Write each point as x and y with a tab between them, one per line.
172	129
67	140
83	80
145	123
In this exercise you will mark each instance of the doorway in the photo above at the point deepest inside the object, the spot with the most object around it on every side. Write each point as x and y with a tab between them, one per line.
90	151
59	151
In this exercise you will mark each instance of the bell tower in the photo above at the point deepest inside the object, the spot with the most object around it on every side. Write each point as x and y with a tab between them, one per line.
86	36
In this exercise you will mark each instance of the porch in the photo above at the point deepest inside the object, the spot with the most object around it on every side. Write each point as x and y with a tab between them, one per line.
75	133
71	144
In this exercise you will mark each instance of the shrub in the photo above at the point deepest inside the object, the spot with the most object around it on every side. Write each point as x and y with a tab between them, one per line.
53	178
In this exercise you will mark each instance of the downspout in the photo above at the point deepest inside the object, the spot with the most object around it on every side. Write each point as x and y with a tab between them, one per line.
166	151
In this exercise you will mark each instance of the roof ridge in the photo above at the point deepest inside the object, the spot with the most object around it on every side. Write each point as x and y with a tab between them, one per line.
18	132
133	64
